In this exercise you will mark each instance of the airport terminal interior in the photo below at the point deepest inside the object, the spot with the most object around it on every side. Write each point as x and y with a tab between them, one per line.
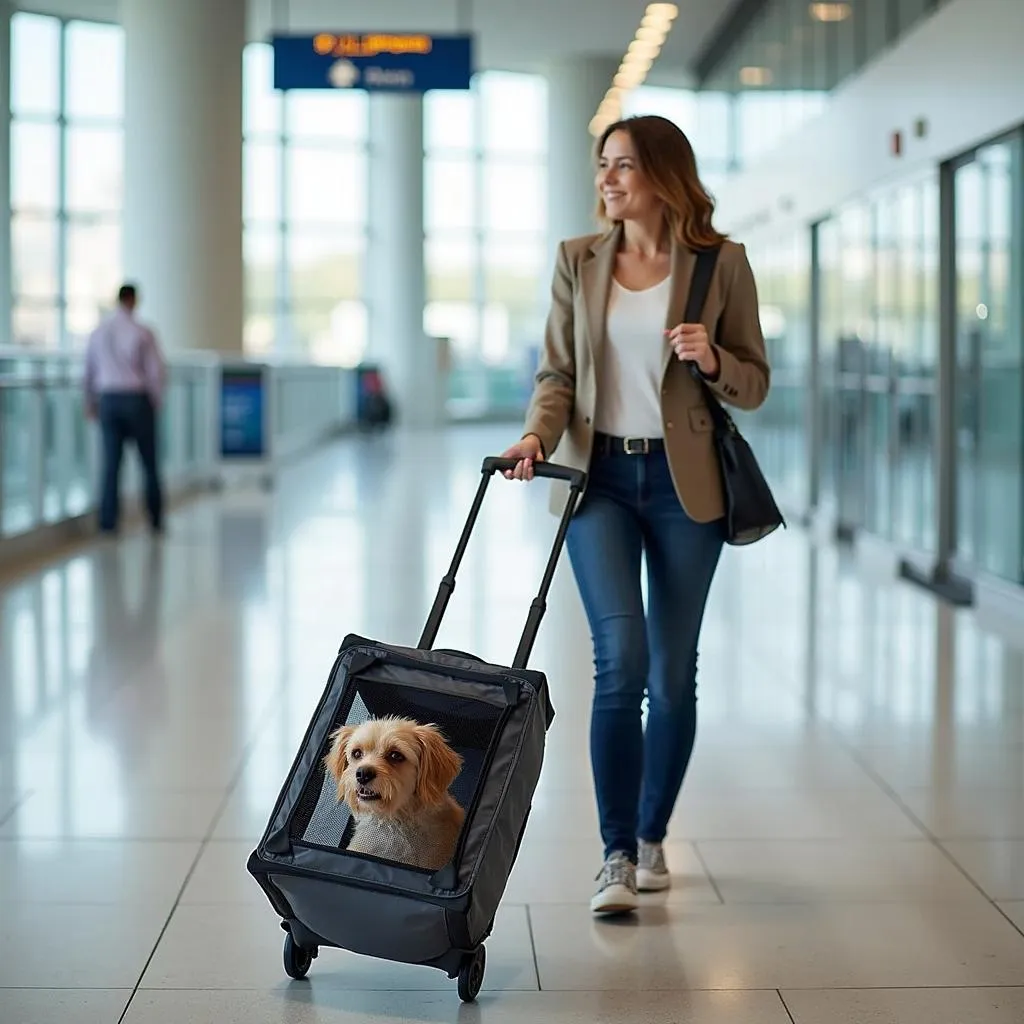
331	208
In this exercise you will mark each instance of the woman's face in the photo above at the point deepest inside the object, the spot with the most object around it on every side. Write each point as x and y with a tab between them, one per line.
626	193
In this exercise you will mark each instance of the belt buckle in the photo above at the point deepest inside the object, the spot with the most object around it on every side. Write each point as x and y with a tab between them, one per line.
628	444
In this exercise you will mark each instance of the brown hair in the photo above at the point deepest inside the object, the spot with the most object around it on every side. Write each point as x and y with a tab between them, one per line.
666	159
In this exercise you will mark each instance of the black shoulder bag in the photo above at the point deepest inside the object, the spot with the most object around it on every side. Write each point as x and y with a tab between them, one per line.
750	509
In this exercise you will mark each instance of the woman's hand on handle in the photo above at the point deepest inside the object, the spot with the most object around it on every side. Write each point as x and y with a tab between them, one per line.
526	451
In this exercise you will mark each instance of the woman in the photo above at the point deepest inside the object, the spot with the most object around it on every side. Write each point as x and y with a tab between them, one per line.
614	395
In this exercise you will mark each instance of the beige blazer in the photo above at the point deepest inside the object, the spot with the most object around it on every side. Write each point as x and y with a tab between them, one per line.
568	381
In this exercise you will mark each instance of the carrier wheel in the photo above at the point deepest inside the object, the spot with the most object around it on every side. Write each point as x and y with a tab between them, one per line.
297	961
471	976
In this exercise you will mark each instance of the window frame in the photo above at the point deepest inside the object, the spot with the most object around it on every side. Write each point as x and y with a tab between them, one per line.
63	216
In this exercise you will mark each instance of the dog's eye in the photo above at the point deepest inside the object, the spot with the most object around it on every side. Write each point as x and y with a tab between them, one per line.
356	754
396	757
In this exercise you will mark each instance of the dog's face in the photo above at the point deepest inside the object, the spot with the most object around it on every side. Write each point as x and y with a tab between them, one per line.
391	766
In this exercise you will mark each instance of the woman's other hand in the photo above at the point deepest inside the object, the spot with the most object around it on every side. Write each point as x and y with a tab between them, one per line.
526	452
691	345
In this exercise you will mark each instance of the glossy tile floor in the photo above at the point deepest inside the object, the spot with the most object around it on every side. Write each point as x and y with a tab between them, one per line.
849	847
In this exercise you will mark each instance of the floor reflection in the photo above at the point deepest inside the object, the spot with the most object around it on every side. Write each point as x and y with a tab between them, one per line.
860	758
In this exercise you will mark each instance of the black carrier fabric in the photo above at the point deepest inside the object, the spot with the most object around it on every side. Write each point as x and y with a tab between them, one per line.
496	719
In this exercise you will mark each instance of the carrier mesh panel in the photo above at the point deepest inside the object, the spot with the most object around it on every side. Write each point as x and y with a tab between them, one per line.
467	725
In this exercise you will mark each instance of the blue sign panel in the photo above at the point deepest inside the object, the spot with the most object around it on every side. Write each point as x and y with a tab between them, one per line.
373	61
242	401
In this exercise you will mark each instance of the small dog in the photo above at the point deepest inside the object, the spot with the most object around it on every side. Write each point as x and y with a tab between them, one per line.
394	774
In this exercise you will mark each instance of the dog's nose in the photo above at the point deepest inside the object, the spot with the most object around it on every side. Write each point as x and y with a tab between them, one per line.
365	775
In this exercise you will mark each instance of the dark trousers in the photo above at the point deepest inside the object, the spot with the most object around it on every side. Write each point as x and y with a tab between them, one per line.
128	416
631	509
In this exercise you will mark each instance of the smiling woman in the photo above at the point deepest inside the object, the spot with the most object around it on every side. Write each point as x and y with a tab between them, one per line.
624	390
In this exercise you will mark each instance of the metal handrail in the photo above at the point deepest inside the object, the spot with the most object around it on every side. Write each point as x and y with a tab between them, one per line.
52	451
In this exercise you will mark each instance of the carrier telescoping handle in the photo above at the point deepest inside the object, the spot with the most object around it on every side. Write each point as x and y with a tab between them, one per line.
576	479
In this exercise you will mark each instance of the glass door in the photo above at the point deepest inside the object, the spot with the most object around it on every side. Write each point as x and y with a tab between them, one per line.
882	329
854	344
910	327
989	337
828	282
878	343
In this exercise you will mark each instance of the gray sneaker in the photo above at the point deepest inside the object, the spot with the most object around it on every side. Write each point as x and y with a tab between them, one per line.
652	872
616	889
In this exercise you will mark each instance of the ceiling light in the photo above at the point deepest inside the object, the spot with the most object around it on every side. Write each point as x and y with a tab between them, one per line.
635	58
755	76
644	49
652	34
668	11
659	25
638	60
830	11
640	68
630	78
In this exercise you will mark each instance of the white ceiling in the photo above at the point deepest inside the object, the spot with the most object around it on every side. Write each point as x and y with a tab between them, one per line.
513	35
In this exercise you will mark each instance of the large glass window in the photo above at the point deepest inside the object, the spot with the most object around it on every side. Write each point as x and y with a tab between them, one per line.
989	258
67	155
305	187
486	255
878	343
793	53
779	431
914	330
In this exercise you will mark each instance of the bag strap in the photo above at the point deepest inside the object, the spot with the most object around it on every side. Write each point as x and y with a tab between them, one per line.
700	284
703	271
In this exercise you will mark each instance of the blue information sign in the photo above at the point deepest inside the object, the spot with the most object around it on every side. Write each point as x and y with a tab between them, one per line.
241	413
373	61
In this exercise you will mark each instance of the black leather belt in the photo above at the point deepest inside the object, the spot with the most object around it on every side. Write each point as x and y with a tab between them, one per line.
606	444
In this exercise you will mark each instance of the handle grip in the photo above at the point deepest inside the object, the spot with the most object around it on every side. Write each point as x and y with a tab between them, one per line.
574	477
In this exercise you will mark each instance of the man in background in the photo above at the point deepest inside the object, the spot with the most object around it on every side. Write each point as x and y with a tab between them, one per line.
124	385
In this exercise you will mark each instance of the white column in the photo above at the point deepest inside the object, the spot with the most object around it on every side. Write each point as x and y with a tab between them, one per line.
396	271
183	168
5	173
576	87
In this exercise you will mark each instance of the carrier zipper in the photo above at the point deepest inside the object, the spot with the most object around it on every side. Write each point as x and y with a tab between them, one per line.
484	771
490	827
358	883
459	893
496	679
302	748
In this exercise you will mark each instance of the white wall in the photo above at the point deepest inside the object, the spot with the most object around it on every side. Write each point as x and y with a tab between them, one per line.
962	70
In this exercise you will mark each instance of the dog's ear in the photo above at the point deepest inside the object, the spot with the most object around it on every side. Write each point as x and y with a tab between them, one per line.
439	765
335	761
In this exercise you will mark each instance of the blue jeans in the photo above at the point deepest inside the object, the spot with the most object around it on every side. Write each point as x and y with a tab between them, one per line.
630	507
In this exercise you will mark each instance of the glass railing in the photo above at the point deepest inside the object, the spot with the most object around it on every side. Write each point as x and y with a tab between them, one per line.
49	450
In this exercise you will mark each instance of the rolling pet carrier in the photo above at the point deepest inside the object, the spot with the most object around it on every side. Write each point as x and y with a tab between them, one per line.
494	717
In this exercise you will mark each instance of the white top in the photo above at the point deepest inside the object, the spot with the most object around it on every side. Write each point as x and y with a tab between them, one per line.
629	404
